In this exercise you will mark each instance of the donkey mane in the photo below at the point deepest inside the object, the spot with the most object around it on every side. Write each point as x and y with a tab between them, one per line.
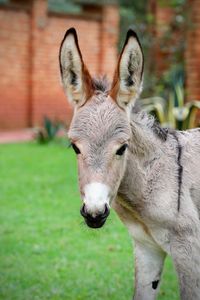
101	84
148	122
159	131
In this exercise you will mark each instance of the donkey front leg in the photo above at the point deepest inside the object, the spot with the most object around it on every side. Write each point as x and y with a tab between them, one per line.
148	268
185	251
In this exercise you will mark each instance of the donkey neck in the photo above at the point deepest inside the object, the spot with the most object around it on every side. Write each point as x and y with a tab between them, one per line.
147	137
146	147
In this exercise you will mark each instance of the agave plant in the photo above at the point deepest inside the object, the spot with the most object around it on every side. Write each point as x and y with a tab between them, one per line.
173	113
48	131
157	106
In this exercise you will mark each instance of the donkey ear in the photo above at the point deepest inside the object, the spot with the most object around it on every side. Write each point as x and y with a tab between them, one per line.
76	79
127	82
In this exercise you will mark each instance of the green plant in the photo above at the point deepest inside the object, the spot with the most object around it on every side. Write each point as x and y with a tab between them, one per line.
171	114
183	115
48	131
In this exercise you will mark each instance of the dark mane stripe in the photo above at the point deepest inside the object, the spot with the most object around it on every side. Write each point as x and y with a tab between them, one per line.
159	131
180	167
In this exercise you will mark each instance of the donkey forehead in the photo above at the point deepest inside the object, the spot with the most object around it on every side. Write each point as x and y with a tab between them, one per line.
100	120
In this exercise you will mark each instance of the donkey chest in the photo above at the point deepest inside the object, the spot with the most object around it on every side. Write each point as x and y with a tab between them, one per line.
140	230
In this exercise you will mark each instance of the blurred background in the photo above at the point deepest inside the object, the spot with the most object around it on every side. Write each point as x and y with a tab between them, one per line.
46	252
30	36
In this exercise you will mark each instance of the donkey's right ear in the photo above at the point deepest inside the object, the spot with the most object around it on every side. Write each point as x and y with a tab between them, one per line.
76	79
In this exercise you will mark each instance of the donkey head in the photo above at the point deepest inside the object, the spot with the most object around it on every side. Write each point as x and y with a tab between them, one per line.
100	129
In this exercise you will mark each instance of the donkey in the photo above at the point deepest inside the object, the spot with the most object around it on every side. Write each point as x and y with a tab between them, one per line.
150	176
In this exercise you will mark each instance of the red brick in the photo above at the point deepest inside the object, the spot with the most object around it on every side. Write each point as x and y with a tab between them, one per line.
192	61
30	79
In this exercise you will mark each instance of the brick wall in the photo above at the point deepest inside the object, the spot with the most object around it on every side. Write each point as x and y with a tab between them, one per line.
109	40
14	66
31	89
192	57
163	15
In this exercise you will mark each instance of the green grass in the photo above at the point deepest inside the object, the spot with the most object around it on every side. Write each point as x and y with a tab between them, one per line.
46	252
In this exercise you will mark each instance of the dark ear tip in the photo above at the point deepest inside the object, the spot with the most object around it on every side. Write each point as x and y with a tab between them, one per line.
131	33
71	30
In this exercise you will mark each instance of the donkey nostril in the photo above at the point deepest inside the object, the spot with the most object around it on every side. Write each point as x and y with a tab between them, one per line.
83	212
106	212
96	216
95	220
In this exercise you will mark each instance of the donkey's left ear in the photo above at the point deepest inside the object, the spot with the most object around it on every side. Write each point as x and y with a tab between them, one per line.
127	82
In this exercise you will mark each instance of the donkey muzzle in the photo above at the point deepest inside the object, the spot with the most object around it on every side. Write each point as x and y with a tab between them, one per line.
97	221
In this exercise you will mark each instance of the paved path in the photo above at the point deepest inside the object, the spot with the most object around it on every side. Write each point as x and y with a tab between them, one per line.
16	136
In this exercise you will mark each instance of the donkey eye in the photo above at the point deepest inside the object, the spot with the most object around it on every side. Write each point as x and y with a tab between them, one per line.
121	150
76	149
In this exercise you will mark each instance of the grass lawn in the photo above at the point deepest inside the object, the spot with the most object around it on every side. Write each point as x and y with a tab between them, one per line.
46	252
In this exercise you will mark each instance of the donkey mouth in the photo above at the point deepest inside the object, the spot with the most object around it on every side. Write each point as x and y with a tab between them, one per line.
95	222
